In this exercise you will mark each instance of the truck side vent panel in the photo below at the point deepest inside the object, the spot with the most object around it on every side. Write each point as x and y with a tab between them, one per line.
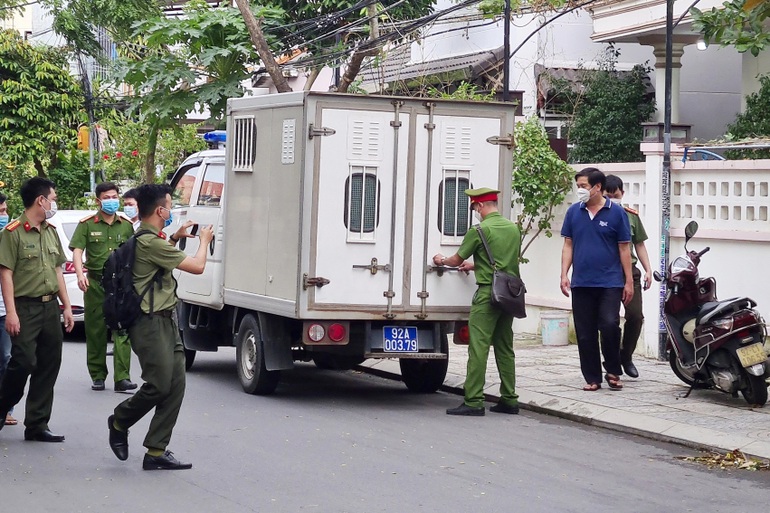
244	143
457	144
365	140
362	203
454	208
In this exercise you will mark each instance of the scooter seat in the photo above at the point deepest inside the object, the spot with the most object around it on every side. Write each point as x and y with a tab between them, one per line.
712	309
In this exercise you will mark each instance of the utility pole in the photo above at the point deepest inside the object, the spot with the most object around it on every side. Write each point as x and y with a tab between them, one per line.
506	48
666	177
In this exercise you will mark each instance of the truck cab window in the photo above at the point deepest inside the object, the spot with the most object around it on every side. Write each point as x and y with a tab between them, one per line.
183	189
213	184
362	201
454	211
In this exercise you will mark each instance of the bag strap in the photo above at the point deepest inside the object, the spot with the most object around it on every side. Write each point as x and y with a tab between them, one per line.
486	246
158	278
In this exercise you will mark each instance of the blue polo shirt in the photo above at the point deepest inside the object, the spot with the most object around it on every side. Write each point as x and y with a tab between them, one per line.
595	253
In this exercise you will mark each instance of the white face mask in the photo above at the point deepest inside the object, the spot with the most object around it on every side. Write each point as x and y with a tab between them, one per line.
477	215
583	195
616	200
50	213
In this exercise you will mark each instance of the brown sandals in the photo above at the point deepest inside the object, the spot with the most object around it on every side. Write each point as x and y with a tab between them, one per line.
592	387
613	381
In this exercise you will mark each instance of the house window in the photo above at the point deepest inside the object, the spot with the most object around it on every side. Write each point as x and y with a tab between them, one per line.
454	217
244	143
362	203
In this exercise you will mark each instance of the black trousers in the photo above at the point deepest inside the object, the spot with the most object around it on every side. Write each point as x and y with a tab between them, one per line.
597	310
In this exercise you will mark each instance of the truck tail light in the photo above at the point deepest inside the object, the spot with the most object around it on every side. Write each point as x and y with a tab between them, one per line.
316	332
462	335
337	332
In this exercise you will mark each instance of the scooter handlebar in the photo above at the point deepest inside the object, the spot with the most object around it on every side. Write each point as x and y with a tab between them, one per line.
705	250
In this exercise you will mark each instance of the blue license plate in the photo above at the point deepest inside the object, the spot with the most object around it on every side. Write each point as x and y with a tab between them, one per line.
400	339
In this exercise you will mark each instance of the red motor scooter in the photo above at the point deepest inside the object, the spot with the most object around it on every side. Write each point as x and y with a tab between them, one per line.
711	343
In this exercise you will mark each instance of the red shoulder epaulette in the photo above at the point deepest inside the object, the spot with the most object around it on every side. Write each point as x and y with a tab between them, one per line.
631	211
13	225
86	218
162	235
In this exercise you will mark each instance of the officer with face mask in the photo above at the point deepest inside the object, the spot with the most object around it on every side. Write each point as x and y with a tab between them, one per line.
99	235
31	275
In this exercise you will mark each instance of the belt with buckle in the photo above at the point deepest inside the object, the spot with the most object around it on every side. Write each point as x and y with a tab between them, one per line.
39	299
164	313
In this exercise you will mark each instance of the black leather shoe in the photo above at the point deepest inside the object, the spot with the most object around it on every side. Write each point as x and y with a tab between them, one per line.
468	411
124	385
505	408
630	369
118	439
164	462
98	384
42	436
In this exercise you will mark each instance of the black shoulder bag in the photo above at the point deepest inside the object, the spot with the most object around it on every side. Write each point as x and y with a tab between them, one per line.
507	290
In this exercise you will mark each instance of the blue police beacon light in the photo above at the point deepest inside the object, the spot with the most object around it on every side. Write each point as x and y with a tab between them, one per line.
215	136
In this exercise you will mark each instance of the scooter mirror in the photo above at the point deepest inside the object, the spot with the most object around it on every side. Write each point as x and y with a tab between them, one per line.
690	230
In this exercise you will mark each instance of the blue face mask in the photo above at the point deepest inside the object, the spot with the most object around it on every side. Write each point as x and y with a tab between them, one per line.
3	220
110	206
130	211
167	222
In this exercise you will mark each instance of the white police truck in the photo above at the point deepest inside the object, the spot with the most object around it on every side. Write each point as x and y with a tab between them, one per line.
327	210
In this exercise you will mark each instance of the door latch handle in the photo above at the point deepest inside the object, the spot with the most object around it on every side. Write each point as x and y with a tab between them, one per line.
373	267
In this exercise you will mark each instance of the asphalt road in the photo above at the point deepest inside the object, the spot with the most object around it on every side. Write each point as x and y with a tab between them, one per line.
348	442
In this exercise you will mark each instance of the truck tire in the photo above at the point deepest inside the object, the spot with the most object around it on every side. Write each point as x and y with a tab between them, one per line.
250	358
423	376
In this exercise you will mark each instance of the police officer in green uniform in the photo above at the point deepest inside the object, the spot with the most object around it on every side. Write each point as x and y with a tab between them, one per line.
31	257
155	335
632	328
99	235
488	325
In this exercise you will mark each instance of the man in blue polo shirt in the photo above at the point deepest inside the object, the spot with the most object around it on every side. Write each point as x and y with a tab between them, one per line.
597	245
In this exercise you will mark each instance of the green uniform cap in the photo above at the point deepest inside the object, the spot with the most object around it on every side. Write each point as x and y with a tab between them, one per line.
482	194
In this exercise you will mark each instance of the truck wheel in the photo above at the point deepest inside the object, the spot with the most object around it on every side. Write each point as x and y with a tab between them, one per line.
423	376
189	358
250	356
756	391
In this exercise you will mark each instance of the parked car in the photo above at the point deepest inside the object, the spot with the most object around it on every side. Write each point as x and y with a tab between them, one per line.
65	222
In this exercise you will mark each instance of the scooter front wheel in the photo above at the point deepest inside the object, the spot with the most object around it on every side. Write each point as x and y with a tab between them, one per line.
676	367
755	392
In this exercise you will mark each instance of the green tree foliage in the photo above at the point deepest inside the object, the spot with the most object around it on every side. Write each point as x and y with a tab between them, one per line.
186	64
123	159
72	178
606	113
40	102
540	181
754	122
738	23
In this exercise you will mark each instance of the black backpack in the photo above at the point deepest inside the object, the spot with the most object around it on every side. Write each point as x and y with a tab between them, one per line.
122	304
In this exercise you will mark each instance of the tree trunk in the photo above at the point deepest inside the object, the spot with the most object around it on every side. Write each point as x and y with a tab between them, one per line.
39	167
354	66
259	42
312	77
149	162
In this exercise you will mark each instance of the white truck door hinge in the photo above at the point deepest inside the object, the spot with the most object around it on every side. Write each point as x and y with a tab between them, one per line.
313	282
506	141
320	132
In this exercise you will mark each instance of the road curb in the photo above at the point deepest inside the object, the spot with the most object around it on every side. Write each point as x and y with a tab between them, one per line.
593	415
